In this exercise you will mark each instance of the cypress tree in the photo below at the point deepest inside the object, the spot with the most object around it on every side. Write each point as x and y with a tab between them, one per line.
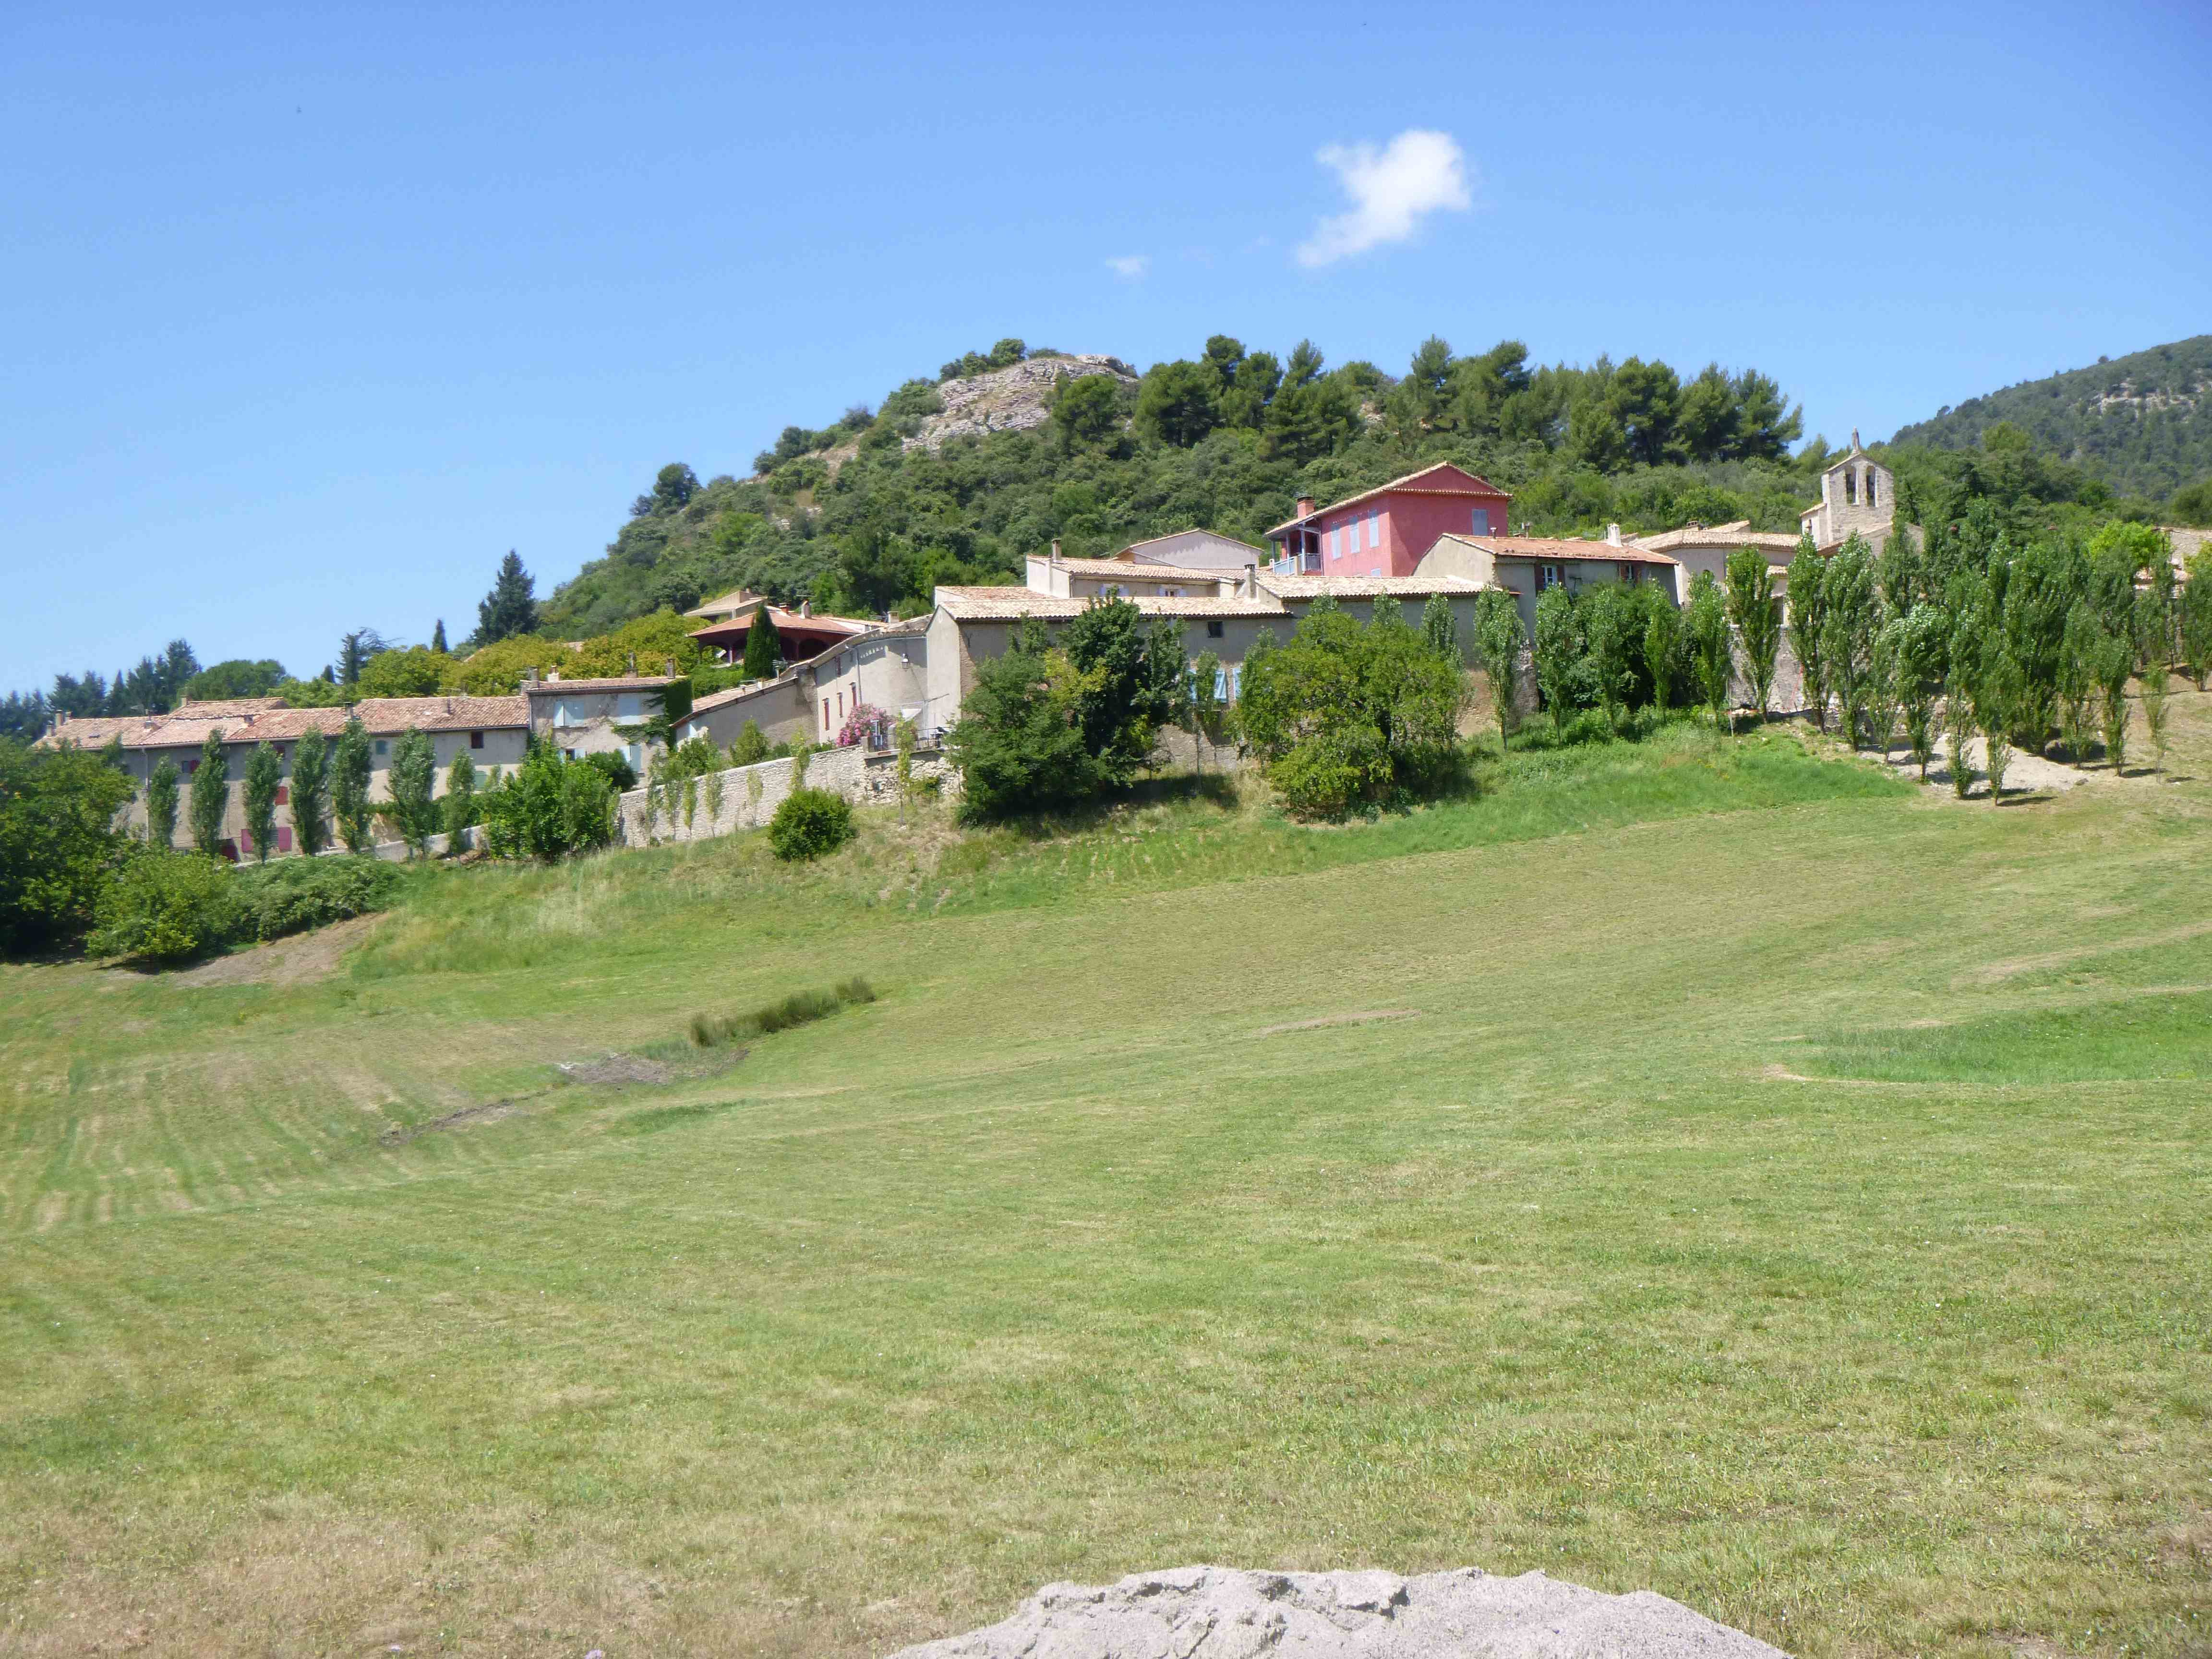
511	607
161	804
762	648
210	794
264	775
438	637
311	785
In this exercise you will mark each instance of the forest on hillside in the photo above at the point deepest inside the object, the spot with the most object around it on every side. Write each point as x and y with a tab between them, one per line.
851	517
2141	422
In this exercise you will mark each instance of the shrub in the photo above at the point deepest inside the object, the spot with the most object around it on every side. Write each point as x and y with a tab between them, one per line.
548	808
294	895
166	907
750	746
809	824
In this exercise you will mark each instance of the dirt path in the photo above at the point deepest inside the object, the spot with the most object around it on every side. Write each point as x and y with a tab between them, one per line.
300	960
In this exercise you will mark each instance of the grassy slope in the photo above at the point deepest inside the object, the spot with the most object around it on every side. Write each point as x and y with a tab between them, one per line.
1059	1261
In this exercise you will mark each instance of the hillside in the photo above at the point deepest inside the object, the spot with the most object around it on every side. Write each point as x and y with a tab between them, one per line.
2142	423
956	479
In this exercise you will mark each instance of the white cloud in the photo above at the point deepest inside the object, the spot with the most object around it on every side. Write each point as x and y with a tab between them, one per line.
1390	189
1131	266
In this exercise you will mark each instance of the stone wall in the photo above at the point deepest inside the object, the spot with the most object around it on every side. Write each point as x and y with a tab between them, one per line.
746	796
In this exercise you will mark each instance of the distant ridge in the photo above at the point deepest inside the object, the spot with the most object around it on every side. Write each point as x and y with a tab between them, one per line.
2141	422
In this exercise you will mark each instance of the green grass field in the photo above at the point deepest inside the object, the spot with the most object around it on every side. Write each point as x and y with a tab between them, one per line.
1775	1186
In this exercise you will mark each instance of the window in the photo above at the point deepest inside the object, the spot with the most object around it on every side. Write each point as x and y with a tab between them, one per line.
1480	521
1850	489
1870	487
383	747
192	766
629	705
1213	628
475	740
284	839
283	795
1221	685
1547	578
1377	571
825	713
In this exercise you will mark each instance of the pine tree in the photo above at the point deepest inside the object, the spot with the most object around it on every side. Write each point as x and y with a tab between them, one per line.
210	794
350	781
161	804
438	637
511	607
264	775
761	649
311	784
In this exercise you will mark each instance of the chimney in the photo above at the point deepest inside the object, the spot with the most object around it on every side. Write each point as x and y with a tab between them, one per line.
552	675
1053	559
1612	535
530	677
1305	506
806	607
670	664
1250	587
629	665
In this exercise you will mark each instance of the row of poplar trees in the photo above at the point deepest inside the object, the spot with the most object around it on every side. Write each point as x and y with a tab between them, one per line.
1960	632
329	800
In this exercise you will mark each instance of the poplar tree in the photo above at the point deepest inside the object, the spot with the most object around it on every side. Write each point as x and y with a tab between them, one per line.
310	790
1920	666
1498	641
2114	661
161	804
2077	684
1758	620
460	802
1710	649
350	784
1808	615
264	777
2155	712
1558	651
209	793
1441	629
410	782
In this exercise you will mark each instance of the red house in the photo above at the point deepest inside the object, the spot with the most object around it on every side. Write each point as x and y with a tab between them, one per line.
1385	532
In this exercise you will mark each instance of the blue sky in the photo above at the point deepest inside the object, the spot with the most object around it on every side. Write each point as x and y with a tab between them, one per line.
312	314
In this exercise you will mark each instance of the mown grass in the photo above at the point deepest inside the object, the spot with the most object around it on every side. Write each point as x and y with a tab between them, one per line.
2157	1035
1080	1251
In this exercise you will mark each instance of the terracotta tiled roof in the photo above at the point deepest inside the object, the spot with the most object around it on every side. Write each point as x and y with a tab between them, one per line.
1482	486
1128	570
1009	603
619	683
1552	548
1366	587
214	706
269	721
1739	534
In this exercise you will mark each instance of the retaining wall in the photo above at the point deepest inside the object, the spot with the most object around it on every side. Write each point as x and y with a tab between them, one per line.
749	795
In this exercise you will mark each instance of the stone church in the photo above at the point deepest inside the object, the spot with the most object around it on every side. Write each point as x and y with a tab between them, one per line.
1858	493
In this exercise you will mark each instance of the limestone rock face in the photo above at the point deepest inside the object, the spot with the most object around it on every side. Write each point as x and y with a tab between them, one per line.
1008	399
1222	1613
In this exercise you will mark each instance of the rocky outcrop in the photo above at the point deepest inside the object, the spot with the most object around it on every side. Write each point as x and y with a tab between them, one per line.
1008	399
1222	1613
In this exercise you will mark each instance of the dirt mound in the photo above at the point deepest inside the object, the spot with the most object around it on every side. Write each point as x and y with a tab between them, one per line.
1222	1613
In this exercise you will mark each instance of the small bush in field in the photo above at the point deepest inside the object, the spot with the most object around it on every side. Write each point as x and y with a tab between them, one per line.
800	1008
809	824
166	907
